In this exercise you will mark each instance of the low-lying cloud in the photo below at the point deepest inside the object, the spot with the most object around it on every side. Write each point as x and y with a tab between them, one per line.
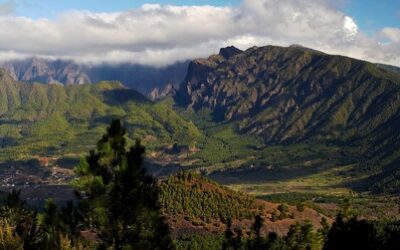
159	35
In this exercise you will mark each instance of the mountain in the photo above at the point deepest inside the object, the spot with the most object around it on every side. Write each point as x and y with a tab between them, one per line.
293	95
158	93
48	120
142	78
46	71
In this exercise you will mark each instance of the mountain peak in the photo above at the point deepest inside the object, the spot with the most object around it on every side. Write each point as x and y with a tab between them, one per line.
158	93
229	51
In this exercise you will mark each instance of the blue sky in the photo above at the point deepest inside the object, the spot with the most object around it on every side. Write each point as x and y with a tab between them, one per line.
370	15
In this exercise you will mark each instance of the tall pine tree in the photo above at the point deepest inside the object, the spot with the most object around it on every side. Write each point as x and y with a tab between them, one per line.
122	199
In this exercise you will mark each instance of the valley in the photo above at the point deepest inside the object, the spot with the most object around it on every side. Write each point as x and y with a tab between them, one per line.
260	120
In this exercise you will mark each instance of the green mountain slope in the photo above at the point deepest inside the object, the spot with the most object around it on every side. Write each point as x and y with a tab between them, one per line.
37	119
287	96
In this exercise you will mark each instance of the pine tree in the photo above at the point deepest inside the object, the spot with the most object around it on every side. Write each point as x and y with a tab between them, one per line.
13	200
122	199
22	220
257	225
49	226
229	240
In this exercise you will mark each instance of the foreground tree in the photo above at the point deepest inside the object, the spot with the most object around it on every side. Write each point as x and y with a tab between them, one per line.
21	220
256	228
229	240
121	198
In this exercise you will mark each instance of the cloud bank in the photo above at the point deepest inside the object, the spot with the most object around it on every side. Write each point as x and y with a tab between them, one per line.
160	35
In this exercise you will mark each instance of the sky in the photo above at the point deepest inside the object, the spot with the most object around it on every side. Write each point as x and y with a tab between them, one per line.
373	15
159	32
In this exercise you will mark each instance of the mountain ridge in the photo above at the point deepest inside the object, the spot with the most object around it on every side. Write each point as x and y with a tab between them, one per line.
214	89
290	95
65	72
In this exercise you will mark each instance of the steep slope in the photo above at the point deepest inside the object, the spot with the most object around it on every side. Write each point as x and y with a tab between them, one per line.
297	95
139	77
290	94
51	119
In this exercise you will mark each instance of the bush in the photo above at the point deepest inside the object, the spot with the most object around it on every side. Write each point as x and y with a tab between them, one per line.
8	238
283	208
300	207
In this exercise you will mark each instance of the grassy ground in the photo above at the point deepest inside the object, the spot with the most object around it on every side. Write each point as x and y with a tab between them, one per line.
331	181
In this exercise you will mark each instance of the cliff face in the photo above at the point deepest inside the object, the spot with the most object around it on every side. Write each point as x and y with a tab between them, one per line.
158	93
295	93
299	95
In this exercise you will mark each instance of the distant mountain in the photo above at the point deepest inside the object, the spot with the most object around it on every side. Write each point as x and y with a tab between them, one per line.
139	77
142	78
158	93
299	95
46	71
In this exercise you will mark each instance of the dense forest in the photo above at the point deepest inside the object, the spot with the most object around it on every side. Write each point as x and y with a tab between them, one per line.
194	196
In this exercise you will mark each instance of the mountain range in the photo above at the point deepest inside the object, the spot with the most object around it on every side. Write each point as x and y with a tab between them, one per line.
144	79
238	115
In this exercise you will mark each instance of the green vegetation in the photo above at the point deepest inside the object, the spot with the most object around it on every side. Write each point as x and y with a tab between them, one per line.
300	236
118	206
121	199
296	198
194	196
199	242
24	228
46	120
347	232
364	205
313	121
21	228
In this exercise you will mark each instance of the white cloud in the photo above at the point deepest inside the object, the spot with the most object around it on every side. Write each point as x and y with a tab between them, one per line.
350	28
392	34
159	35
